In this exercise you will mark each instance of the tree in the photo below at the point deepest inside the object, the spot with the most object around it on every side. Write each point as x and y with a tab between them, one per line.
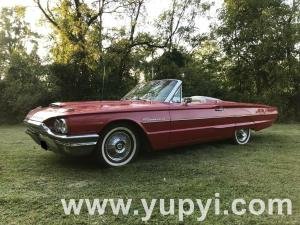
14	35
177	25
22	75
260	39
79	34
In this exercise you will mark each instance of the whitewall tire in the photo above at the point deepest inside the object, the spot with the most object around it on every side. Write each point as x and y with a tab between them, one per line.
242	136
118	145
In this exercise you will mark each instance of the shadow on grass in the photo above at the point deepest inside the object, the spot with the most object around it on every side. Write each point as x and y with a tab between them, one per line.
205	161
73	162
155	157
158	157
272	138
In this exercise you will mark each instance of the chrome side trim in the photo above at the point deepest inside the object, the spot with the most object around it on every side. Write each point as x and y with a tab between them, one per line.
217	117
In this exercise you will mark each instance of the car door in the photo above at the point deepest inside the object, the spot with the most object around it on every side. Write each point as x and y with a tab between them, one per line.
199	122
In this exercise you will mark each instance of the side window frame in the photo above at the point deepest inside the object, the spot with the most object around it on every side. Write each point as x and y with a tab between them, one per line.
179	91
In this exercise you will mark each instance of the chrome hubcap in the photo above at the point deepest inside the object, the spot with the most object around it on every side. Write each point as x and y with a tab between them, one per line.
242	135
118	146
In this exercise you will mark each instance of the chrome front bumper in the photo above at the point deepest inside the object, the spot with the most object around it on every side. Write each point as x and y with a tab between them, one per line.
73	145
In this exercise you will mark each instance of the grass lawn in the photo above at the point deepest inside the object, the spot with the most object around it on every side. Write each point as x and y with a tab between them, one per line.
33	181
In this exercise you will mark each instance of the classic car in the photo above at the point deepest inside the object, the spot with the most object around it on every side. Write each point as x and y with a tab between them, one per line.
153	113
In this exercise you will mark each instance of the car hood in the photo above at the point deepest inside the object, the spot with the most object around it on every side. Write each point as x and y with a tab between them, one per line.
59	109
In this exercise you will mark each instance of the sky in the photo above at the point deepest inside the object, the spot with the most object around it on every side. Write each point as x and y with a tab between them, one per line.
154	8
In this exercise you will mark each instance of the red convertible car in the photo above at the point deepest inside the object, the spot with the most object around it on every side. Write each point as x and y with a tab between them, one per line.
153	112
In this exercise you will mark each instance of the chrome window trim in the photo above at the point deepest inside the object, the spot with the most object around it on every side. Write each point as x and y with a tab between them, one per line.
173	92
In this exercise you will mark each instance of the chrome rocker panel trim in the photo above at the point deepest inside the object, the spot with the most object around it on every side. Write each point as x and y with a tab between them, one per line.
72	145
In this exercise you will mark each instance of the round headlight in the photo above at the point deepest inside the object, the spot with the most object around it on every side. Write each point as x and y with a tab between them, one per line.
60	126
56	126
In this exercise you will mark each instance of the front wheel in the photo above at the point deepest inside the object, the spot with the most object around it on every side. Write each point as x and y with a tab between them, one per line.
242	136
118	145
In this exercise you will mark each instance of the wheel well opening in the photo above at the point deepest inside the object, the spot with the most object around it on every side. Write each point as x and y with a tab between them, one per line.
146	145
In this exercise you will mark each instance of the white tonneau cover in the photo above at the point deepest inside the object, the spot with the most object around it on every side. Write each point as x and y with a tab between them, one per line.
203	99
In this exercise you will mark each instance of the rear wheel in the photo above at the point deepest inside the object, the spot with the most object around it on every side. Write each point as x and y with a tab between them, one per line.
118	145
242	136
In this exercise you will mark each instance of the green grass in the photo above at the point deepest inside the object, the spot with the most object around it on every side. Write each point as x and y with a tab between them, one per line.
33	181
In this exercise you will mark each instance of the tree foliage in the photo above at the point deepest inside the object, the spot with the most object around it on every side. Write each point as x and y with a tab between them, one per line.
251	55
22	82
260	40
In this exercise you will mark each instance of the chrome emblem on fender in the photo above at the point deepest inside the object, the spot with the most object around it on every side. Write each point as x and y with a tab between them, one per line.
150	119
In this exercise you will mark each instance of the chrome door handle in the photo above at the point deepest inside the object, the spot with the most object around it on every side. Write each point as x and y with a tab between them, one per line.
219	109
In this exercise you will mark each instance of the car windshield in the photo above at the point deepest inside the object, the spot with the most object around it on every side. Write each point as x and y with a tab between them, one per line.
156	90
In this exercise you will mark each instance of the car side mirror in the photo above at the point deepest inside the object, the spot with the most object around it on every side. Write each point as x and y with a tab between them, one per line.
187	100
